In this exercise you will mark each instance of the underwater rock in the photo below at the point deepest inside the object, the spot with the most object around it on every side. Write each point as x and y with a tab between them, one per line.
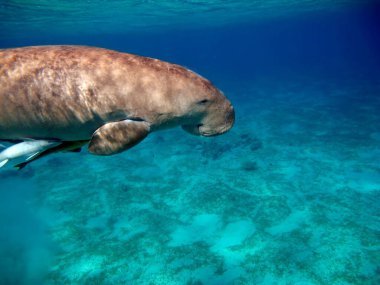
249	166
216	150
252	142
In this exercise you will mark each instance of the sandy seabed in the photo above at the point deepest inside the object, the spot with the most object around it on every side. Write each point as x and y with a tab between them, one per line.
289	196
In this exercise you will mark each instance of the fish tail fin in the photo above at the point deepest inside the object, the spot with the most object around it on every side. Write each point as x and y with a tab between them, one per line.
21	165
3	162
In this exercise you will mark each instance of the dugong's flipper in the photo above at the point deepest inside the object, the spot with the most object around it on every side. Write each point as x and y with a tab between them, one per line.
116	137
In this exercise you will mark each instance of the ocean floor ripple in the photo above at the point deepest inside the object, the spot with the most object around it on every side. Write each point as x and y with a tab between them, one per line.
289	196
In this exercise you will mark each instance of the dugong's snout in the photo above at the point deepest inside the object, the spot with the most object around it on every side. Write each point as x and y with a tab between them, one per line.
217	121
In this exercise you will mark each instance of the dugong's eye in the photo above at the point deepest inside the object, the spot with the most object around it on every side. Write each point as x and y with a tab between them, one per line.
202	102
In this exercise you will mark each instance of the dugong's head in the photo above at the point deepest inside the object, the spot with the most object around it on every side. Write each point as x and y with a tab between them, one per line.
208	111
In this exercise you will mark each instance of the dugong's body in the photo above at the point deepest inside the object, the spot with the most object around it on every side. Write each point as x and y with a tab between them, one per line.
111	99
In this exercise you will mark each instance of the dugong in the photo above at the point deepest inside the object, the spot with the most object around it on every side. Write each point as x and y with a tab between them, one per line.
110	99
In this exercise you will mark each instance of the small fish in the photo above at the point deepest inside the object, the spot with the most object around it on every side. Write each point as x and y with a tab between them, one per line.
29	148
65	146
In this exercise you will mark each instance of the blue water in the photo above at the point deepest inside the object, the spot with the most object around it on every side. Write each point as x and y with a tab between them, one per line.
289	196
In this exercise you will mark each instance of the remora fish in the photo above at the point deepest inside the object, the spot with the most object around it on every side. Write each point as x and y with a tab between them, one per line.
30	148
63	147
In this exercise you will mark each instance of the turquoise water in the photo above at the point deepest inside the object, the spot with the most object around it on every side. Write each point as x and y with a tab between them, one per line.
290	195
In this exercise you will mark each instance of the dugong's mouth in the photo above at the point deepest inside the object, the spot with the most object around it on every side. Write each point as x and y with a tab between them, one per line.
192	129
202	130
214	124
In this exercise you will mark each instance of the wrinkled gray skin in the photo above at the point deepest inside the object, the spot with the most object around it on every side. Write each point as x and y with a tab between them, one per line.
112	99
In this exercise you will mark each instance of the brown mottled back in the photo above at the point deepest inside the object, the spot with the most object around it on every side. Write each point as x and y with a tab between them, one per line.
68	92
